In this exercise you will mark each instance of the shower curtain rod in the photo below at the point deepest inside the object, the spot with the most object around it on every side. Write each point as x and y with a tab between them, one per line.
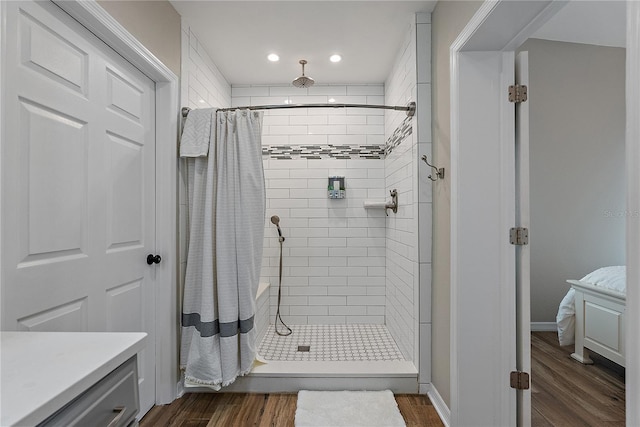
409	108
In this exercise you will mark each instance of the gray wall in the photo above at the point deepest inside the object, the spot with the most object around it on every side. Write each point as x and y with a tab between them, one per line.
447	21
577	136
156	24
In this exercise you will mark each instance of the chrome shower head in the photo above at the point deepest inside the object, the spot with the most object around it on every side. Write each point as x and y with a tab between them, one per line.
303	81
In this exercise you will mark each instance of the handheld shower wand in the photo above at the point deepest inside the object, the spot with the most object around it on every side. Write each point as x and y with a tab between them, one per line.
275	220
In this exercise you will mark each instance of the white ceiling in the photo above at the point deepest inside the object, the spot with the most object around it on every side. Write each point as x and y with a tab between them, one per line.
238	35
601	23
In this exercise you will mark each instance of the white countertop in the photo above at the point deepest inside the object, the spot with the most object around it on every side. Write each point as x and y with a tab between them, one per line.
43	371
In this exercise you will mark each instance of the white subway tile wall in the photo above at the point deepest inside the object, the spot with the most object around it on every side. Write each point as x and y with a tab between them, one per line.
406	232
333	253
261	319
401	248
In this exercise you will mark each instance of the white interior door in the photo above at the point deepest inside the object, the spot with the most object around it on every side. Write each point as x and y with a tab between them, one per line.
483	291
78	184
523	270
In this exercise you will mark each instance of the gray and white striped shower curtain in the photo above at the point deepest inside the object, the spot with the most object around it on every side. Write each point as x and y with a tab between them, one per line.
226	228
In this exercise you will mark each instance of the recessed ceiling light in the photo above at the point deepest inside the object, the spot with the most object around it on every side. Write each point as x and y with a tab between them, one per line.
335	58
332	100
273	57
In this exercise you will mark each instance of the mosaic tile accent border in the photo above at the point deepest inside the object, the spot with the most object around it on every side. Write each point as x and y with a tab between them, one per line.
333	343
285	152
404	130
330	151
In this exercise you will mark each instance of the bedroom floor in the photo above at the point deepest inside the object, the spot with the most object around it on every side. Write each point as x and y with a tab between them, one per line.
567	393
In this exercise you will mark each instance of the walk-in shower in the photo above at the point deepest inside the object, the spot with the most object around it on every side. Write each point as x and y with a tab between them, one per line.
342	280
349	282
339	295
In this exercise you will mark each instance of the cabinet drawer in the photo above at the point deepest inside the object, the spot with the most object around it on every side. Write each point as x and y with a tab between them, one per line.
113	401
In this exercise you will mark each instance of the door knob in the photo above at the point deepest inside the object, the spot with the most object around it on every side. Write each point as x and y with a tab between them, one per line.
153	259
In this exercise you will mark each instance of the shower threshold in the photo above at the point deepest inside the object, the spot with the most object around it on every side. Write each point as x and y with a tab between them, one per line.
291	377
340	357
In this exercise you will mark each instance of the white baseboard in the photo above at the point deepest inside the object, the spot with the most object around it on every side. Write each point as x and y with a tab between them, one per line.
438	403
544	326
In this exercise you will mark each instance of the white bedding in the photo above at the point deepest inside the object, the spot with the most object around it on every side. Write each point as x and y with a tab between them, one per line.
614	278
566	319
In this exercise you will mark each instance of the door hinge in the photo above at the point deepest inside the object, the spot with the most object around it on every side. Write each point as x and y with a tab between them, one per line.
517	93
519	236
519	380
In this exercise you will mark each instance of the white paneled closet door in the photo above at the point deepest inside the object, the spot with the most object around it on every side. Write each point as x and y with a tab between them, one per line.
78	183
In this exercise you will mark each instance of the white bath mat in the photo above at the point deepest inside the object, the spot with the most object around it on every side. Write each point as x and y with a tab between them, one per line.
347	409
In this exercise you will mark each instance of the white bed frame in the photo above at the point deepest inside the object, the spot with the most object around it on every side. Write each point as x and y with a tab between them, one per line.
600	322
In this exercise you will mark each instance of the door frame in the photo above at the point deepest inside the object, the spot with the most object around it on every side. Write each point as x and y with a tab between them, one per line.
91	15
496	30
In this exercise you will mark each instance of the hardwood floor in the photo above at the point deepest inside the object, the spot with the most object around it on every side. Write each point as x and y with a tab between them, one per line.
262	410
564	393
567	393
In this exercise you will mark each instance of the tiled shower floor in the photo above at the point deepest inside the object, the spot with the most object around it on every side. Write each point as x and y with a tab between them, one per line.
331	343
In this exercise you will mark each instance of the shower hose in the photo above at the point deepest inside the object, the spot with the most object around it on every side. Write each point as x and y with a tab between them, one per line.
278	316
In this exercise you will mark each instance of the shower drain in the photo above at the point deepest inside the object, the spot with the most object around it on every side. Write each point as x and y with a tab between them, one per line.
305	348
